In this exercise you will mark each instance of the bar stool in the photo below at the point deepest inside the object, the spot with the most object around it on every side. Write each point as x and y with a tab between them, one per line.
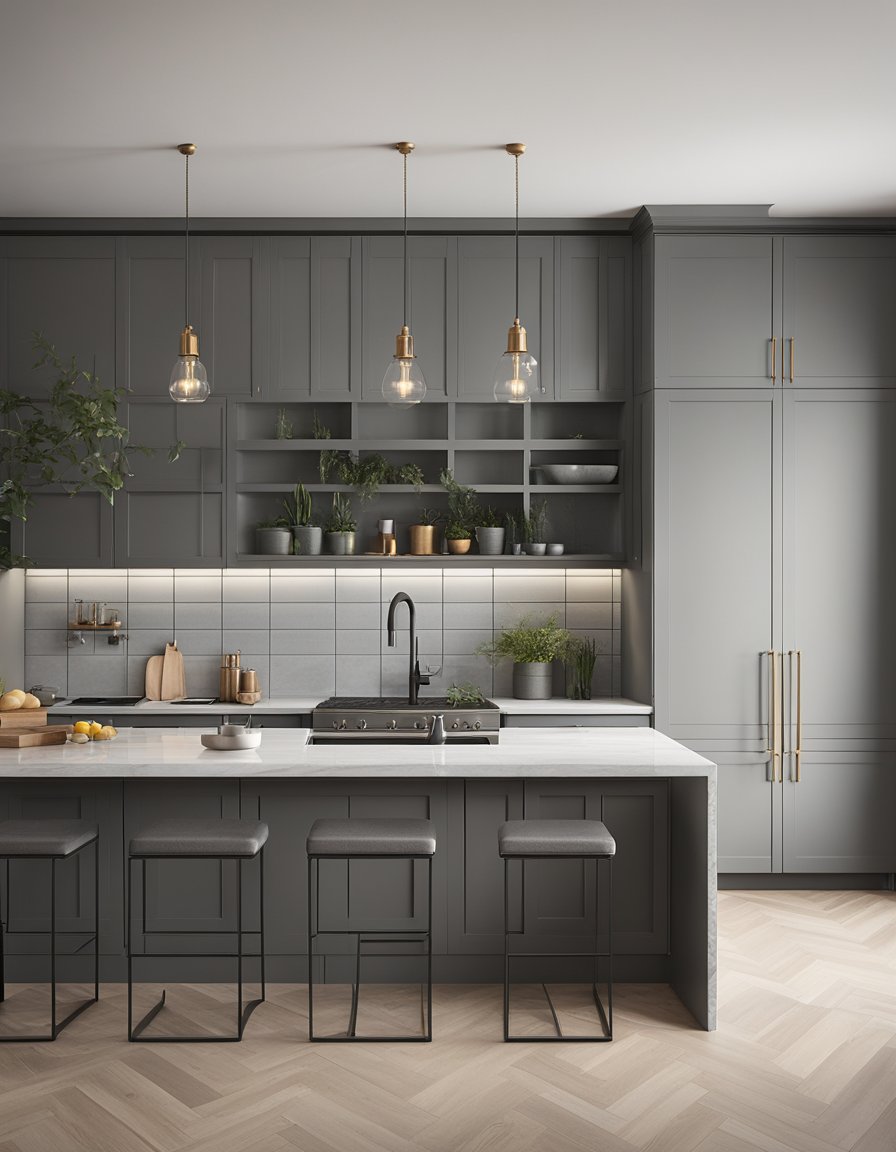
188	839
553	840
389	838
52	840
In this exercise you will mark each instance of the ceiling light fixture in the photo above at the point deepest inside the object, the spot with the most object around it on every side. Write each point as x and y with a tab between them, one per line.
403	384
516	376
189	379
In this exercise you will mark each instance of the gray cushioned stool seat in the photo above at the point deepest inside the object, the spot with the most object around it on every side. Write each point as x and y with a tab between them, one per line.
386	836
555	838
195	837
44	837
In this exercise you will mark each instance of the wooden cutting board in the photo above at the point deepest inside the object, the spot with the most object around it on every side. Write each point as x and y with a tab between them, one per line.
173	686
152	689
23	718
34	737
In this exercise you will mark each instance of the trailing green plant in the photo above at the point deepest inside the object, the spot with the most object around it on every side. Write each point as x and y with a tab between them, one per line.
71	439
275	522
580	658
340	518
429	516
366	474
464	511
513	528
466	693
298	507
488	518
528	643
535	524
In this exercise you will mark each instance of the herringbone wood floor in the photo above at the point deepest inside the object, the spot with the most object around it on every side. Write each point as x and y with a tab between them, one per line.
804	1059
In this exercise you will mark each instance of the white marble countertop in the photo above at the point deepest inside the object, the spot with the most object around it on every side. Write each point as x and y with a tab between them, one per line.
157	752
606	706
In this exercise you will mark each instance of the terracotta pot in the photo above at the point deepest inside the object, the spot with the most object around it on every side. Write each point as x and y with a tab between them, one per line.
422	539
459	547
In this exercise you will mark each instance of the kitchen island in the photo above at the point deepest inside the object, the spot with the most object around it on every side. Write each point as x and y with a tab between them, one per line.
657	797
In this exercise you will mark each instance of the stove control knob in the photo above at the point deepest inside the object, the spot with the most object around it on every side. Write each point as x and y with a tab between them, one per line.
456	724
362	724
392	725
342	725
420	723
466	724
477	726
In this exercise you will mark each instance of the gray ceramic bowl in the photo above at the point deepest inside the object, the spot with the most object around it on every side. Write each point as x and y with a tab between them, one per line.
580	473
231	743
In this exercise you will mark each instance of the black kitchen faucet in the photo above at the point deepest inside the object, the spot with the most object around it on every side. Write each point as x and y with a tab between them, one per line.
414	677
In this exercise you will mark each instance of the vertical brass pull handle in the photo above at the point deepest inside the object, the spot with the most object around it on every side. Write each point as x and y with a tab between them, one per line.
792	342
774	358
774	720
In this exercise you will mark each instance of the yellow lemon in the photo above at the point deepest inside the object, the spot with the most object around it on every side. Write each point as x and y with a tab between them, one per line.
94	728
101	735
82	727
80	738
110	731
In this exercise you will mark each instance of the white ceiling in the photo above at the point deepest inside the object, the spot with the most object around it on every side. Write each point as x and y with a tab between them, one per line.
293	105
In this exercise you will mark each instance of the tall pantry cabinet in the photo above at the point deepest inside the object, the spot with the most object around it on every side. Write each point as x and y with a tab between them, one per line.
767	420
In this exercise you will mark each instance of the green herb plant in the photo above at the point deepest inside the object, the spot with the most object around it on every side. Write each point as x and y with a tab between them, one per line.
535	524
488	518
580	658
429	516
464	511
467	693
528	643
340	518
298	507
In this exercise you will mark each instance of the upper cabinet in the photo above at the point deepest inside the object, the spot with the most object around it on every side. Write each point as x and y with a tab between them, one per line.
593	317
315	314
432	309
233	314
486	300
63	288
761	311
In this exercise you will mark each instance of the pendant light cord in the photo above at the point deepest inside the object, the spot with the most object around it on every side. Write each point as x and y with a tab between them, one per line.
405	310
516	166
187	240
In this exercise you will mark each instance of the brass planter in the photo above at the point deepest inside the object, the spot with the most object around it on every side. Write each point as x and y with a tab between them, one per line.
459	547
422	539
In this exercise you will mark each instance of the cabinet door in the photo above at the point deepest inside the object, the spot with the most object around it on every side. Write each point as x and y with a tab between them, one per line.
486	271
233	332
839	303
717	586
63	288
290	376
432	308
716	298
64	531
839	816
172	513
335	317
593	316
839	560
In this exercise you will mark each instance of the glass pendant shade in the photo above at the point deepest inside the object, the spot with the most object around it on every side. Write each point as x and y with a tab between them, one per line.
403	384
188	383
516	377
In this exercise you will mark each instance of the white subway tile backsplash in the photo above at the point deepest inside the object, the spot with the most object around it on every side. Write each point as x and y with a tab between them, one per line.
314	632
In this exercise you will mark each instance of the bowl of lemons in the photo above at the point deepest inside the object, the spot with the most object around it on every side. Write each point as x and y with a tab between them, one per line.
84	731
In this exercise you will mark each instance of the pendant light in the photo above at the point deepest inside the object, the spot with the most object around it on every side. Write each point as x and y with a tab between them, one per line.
516	376
189	379
403	384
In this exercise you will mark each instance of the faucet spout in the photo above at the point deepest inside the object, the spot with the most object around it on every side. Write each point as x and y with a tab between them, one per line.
414	677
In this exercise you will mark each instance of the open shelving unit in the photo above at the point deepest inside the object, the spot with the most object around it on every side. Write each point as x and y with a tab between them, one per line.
491	447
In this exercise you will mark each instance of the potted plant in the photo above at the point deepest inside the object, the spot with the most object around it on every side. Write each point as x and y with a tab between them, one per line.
273	537
72	439
490	533
340	527
535	529
422	534
464	513
513	532
579	660
308	537
533	648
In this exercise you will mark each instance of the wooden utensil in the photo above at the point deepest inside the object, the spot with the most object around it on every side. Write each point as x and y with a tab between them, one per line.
173	685
23	718
34	737
153	686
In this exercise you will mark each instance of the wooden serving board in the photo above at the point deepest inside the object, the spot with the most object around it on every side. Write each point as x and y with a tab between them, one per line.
34	737
23	718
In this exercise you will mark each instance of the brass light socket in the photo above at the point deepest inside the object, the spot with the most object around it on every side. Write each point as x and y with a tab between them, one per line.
189	342
516	337
186	149
404	344
515	149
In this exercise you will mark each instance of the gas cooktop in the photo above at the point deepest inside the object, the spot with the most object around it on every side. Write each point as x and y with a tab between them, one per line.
105	701
395	703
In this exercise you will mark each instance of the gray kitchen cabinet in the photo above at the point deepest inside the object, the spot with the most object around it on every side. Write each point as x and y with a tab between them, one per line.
749	311
839	300
151	310
66	531
315	313
753	491
486	300
26	901
64	288
171	513
432	309
593	317
233	314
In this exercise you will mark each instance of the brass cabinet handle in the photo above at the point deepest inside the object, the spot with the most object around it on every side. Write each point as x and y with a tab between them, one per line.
774	719
774	357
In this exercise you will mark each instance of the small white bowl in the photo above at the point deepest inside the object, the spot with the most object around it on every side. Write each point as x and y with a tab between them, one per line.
231	743
555	549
